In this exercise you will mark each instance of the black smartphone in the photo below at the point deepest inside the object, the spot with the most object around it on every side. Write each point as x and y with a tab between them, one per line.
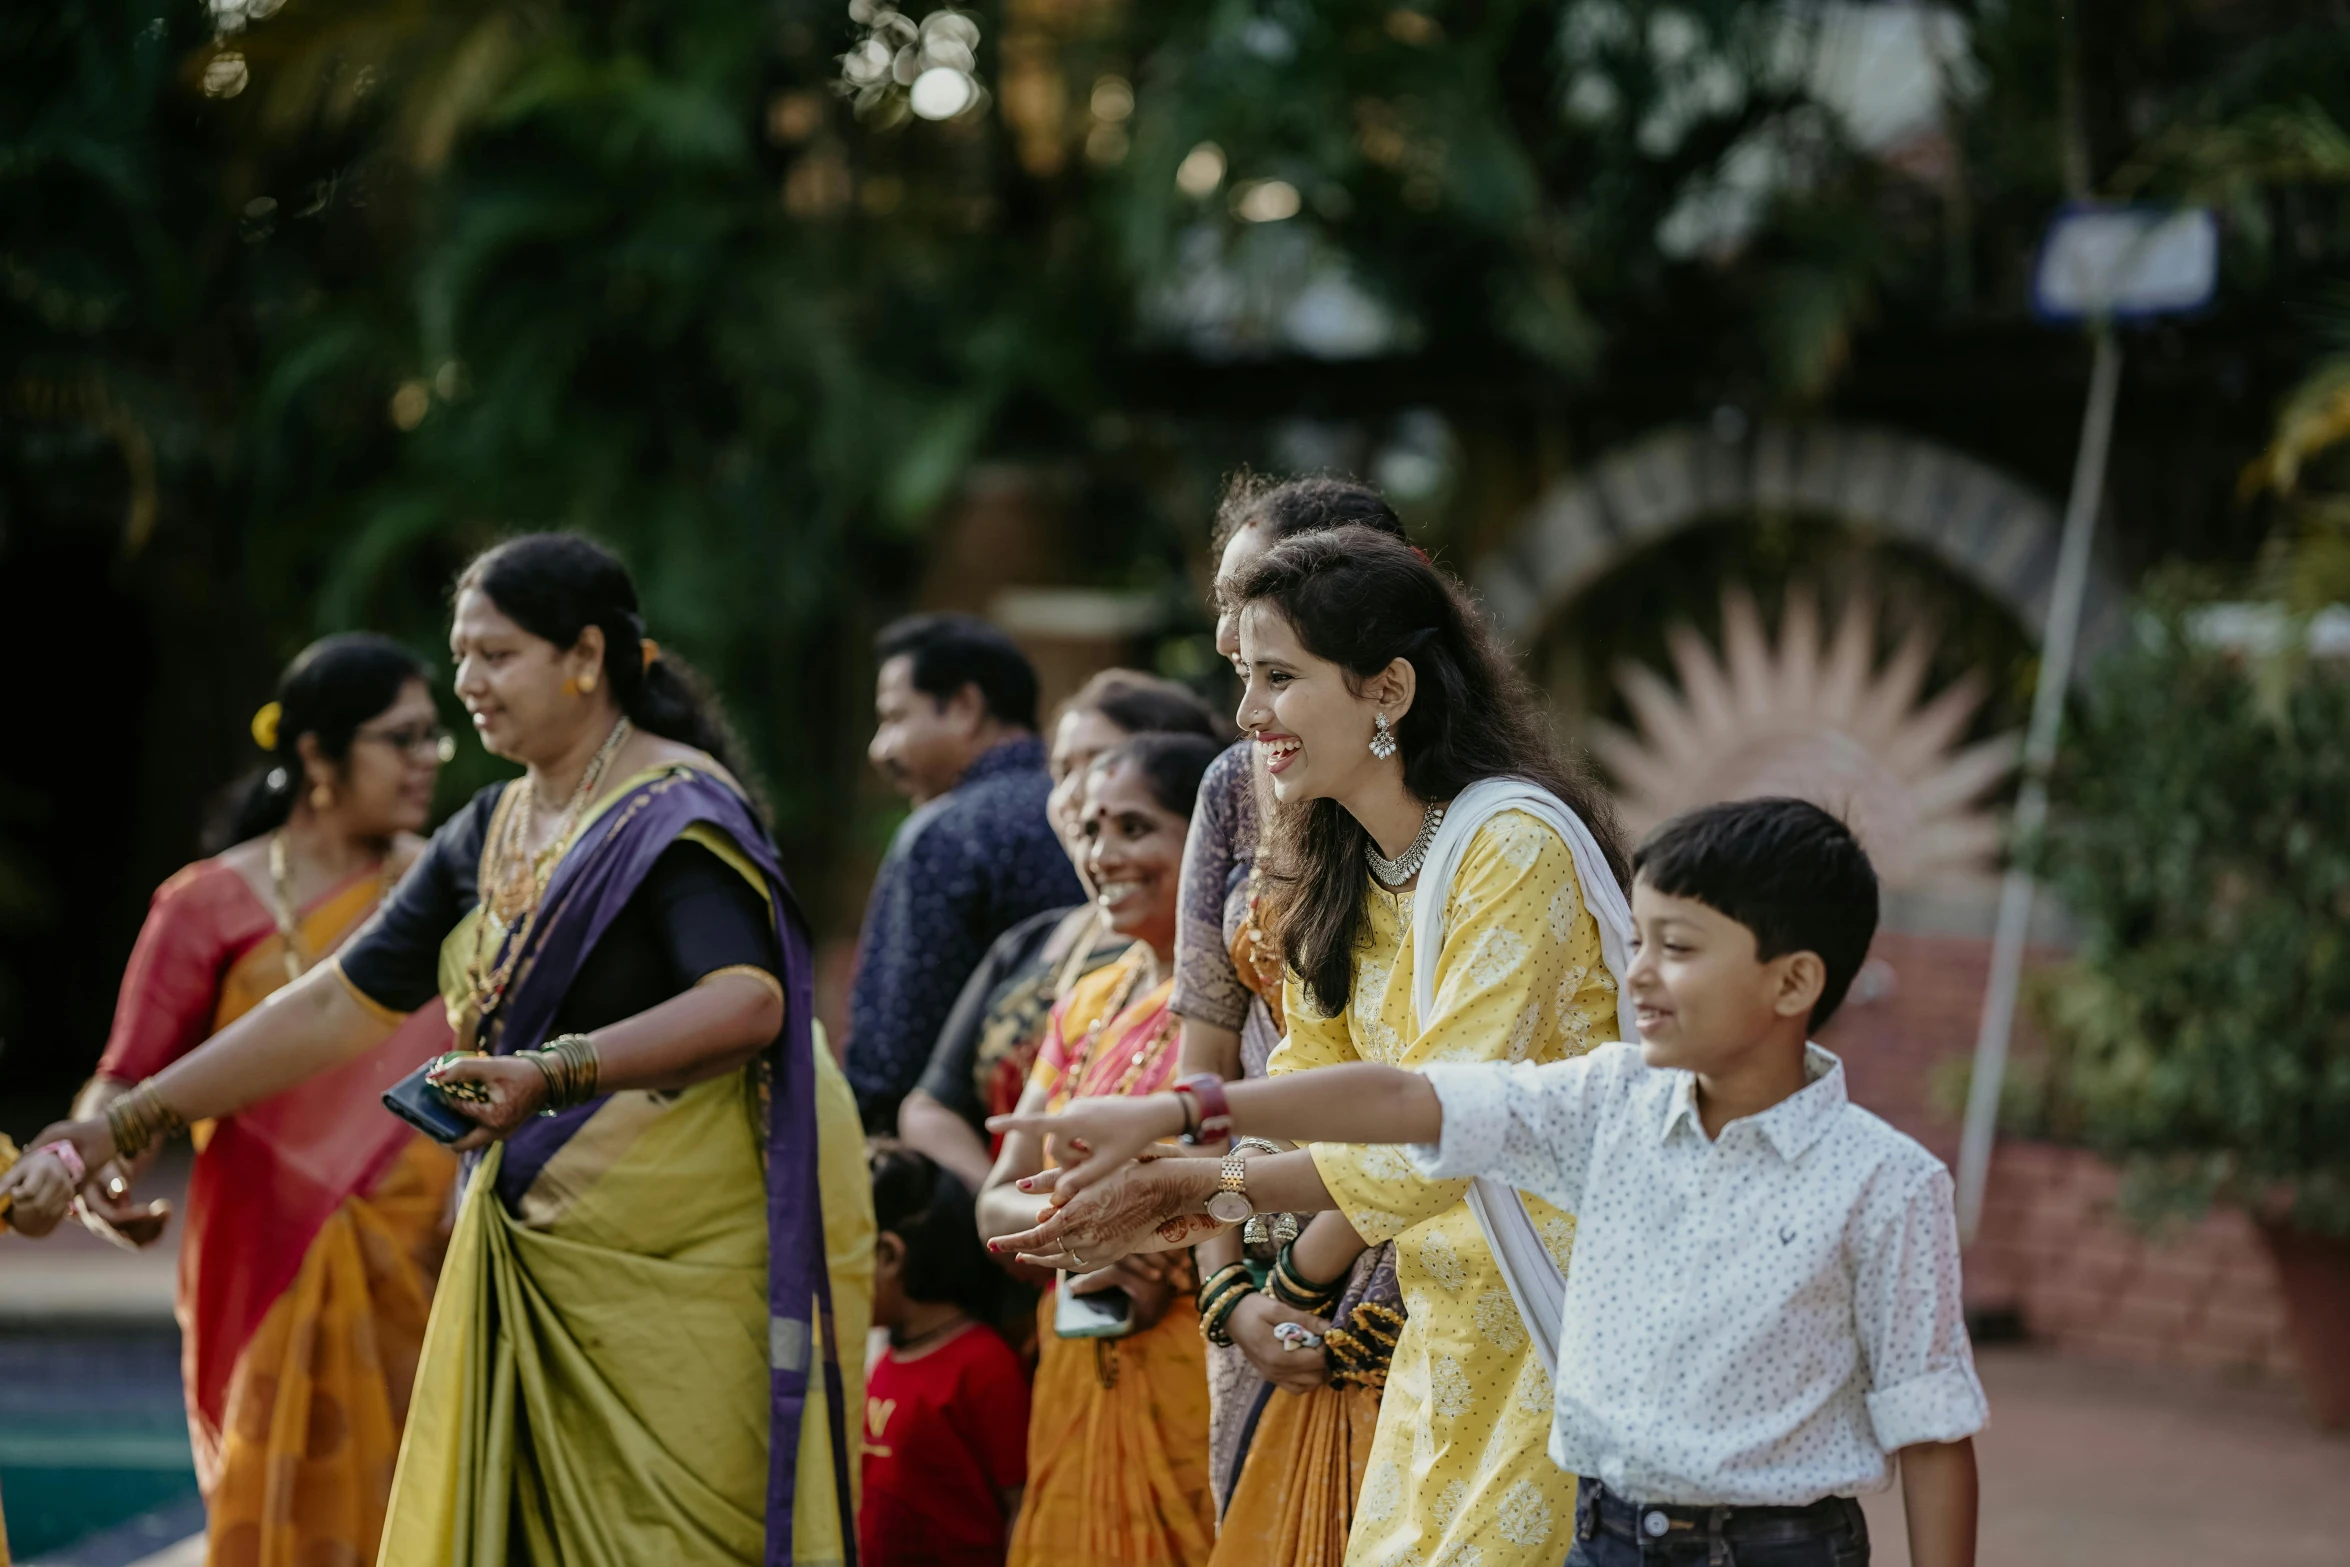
414	1100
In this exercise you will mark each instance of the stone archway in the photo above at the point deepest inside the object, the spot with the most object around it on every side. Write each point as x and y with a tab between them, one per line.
1989	527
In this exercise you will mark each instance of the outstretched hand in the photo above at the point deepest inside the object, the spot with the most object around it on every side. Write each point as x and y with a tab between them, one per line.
1092	1139
109	1211
1155	1205
39	1191
35	1193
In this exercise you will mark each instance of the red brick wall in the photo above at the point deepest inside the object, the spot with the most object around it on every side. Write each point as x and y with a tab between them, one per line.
2050	1246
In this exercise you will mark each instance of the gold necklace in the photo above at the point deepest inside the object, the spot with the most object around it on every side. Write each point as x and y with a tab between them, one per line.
525	874
283	910
1093	1036
281	884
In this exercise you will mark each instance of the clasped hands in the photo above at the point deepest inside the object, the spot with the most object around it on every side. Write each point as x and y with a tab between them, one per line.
1117	1187
41	1191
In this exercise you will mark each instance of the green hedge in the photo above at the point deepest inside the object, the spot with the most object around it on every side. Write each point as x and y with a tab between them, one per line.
2200	836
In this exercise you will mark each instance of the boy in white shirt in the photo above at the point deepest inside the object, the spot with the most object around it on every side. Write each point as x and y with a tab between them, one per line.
1763	1314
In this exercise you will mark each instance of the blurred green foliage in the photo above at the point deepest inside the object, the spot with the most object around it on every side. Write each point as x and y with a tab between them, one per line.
2200	837
339	290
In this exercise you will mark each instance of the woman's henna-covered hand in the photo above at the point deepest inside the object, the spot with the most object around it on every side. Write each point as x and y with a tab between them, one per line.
1091	1139
1156	1205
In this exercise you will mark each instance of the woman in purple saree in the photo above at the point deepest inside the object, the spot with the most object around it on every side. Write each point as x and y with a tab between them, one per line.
636	1352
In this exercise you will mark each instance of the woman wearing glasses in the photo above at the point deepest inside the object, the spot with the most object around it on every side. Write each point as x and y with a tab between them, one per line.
315	1220
635	1346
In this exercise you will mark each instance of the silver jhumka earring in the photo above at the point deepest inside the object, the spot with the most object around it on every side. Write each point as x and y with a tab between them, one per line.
1382	737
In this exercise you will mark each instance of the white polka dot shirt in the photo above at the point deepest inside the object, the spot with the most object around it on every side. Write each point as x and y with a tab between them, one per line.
1758	1320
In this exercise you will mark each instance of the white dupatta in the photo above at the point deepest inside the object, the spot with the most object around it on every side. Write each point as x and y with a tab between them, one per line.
1534	1280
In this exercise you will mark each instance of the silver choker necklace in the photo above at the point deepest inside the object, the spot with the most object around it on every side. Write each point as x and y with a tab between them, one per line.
1406	865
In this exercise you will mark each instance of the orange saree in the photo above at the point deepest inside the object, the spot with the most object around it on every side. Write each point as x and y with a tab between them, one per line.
314	1226
1118	1428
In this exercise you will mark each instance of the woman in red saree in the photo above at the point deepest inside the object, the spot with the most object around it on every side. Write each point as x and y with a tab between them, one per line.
315	1220
1118	1426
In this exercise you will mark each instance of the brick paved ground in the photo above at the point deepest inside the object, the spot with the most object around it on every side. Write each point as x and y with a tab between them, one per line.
2099	1466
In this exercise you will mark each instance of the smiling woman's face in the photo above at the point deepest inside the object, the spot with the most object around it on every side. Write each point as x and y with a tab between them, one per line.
388	778
1134	852
1080	736
510	681
1312	730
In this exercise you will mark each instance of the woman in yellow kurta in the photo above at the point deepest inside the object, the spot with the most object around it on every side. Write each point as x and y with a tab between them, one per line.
1459	1470
1379	697
1118	1426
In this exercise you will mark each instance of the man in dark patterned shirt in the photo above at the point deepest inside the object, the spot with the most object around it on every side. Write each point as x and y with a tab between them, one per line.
955	709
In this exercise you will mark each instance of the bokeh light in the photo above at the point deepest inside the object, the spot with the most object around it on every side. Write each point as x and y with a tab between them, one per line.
1201	170
941	93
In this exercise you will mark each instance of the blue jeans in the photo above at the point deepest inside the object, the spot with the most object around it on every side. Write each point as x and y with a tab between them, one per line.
1611	1532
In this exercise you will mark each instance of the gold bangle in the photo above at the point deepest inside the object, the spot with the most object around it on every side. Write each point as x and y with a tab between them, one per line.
141	1119
569	1065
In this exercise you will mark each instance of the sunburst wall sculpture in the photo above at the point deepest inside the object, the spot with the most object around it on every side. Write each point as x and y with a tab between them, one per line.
1821	718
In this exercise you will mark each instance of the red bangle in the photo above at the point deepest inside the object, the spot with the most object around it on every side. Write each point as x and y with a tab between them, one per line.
1206	1091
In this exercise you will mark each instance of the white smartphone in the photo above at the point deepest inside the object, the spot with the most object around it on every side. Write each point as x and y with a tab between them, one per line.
1104	1314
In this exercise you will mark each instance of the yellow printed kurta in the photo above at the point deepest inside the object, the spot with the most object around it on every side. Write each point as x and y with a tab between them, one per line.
1459	1472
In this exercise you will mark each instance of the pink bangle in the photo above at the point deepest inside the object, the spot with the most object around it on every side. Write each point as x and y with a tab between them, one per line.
1205	1090
67	1155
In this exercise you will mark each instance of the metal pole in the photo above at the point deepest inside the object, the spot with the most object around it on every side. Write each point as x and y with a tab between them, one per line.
2031	806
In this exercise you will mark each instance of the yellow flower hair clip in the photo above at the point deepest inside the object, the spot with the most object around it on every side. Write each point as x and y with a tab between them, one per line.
652	651
265	725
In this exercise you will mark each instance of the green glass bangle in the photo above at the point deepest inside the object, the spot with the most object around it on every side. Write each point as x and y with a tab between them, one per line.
1212	1321
1292	1287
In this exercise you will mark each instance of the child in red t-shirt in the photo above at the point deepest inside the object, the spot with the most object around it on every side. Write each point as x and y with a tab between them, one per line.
946	1409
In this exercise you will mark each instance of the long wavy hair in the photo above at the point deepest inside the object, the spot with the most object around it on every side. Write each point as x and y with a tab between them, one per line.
1361	599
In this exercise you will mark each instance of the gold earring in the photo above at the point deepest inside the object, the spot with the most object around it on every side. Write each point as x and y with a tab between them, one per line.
587	684
322	797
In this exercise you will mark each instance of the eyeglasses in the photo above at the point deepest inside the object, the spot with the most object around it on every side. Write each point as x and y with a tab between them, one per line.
415	740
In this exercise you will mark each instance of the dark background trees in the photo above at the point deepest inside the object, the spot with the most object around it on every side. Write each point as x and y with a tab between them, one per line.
303	302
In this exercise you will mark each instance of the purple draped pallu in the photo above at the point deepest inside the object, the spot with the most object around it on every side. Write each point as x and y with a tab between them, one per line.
595	879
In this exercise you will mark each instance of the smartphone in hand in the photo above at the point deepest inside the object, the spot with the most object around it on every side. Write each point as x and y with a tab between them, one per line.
1103	1314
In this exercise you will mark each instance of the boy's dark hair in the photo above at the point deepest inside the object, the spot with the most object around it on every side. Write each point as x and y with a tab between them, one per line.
954	651
1784	869
929	1210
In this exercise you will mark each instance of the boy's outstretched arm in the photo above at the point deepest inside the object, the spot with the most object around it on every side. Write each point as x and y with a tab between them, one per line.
1938	1499
1357	1103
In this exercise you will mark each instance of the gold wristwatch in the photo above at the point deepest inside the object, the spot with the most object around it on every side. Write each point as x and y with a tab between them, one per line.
1230	1205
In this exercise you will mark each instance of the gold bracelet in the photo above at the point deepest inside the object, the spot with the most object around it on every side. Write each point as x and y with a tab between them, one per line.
569	1065
141	1119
